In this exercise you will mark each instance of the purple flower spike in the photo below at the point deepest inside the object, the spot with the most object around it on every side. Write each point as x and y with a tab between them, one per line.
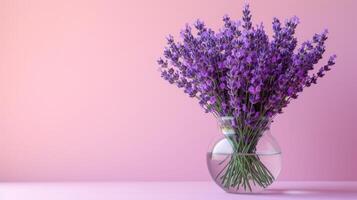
239	72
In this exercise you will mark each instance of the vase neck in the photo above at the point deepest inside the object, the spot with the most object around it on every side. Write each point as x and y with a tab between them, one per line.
226	124
229	125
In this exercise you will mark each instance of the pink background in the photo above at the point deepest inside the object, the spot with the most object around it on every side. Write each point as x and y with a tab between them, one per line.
81	97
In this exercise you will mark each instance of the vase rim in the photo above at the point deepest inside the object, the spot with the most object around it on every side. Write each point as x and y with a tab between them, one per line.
228	117
259	153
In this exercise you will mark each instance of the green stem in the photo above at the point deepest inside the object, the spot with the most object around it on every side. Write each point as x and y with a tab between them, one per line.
244	167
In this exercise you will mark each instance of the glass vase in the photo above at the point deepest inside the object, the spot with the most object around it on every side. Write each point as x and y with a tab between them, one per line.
244	161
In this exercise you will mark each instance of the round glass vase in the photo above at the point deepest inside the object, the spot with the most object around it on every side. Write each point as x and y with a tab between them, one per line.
243	162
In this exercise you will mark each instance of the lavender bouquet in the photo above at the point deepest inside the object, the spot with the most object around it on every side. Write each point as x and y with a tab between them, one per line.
239	72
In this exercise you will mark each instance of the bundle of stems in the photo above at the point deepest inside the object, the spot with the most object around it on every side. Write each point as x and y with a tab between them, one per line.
243	167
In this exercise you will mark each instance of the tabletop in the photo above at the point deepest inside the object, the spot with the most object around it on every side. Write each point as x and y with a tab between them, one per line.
169	191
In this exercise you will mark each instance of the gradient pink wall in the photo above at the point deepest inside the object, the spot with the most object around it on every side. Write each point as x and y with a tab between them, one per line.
81	97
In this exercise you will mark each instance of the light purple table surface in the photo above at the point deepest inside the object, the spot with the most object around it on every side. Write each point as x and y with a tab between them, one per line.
170	191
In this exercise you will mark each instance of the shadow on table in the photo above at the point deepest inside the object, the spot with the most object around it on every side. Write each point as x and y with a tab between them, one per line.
310	192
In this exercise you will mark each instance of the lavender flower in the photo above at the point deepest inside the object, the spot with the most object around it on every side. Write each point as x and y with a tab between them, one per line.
238	72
